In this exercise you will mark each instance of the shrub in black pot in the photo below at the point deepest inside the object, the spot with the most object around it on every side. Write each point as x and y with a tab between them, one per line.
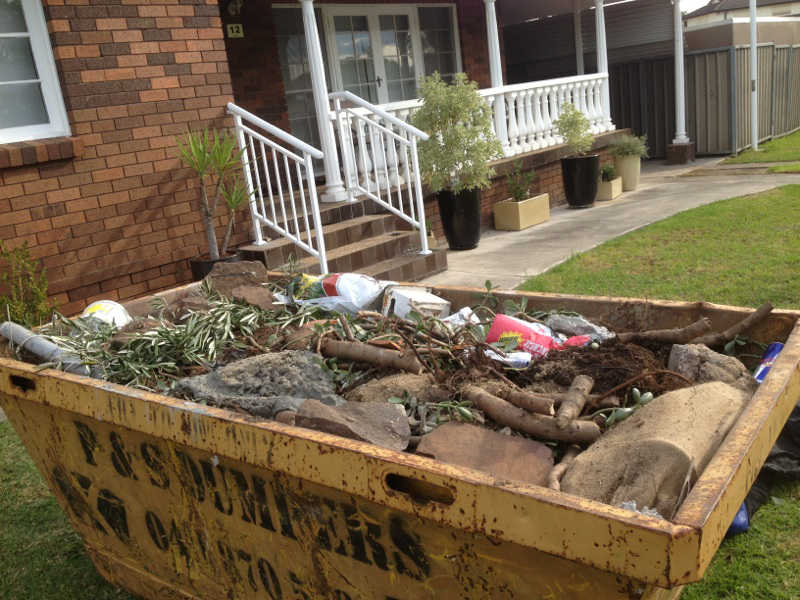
455	159
580	170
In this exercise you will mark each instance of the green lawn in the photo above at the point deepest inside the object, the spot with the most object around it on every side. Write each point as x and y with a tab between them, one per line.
787	168
41	557
781	149
741	251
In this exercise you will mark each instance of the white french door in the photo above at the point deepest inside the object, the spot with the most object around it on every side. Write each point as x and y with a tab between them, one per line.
374	51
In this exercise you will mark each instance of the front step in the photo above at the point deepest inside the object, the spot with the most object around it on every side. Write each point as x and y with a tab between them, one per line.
364	253
276	253
412	267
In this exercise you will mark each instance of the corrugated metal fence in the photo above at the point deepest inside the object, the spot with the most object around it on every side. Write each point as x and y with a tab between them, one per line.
717	97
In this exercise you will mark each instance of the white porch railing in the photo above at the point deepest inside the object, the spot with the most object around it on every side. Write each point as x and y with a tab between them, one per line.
285	179
380	160
531	110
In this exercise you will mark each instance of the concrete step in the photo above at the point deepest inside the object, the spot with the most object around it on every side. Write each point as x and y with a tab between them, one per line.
365	253
276	252
410	267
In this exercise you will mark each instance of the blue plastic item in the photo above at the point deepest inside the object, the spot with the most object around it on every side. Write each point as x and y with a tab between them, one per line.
741	522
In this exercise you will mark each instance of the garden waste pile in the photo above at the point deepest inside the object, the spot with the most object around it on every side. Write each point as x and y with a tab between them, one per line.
551	399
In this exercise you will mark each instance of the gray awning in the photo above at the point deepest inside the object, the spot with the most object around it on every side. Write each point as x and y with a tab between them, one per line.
513	12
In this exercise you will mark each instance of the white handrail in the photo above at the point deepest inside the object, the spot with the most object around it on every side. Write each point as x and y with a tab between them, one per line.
351	97
290	192
272	130
380	159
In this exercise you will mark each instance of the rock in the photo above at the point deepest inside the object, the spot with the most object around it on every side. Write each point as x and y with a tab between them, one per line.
132	330
189	304
380	424
422	387
263	385
227	276
655	456
257	295
700	364
502	456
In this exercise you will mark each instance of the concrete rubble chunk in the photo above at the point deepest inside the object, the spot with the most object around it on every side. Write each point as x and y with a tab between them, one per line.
381	424
227	276
654	457
422	387
700	364
505	457
263	385
256	295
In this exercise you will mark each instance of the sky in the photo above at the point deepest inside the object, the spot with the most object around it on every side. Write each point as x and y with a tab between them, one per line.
690	5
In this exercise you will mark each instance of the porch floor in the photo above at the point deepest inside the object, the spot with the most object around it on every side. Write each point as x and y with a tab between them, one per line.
507	259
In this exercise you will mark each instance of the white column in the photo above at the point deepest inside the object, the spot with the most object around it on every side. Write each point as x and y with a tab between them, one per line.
680	94
496	72
576	23
602	60
753	75
334	188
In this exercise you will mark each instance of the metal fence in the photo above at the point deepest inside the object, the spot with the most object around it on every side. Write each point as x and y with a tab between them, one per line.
717	97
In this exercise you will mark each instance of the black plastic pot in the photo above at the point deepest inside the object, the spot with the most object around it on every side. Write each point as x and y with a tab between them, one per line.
461	218
202	266
580	175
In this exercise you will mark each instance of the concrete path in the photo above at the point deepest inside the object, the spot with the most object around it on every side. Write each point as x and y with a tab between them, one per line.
509	258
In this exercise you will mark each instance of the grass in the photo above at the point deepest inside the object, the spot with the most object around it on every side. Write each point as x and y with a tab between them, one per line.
41	556
740	251
786	148
788	168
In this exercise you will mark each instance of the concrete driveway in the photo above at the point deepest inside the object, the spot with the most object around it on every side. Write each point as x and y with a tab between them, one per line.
509	258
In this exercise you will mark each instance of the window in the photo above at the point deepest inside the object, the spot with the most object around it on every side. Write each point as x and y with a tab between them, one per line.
438	41
31	106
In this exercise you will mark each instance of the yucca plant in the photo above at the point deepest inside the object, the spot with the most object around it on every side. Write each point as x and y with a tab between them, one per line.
215	157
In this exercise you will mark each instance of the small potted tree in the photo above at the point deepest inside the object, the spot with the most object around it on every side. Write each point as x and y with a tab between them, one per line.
628	152
521	210
580	170
610	183
215	158
455	159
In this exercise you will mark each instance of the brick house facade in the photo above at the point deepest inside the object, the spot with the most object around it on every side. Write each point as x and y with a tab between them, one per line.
110	211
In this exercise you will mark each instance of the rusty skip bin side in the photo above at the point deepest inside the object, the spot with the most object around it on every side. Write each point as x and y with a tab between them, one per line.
179	500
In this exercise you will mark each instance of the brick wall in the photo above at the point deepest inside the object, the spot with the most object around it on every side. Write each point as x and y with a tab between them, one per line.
255	69
120	220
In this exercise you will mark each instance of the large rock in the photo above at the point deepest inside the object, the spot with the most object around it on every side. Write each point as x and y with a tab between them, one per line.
654	457
263	385
227	276
700	364
380	424
422	387
257	295
502	456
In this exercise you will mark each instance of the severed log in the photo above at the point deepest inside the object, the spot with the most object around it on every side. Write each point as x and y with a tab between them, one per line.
718	339
557	472
575	400
535	403
364	353
505	413
679	335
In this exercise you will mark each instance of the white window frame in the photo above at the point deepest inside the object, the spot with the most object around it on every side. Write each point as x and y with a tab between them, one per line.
372	11
58	125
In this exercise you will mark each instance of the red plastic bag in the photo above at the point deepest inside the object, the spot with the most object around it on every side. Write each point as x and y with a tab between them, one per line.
536	338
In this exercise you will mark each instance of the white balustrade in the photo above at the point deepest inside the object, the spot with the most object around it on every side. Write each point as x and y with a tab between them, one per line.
283	177
380	157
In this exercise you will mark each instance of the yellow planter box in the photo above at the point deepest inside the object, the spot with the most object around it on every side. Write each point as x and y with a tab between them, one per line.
515	216
608	190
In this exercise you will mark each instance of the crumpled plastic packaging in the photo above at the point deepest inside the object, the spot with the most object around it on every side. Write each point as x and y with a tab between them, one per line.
535	338
341	292
571	325
646	510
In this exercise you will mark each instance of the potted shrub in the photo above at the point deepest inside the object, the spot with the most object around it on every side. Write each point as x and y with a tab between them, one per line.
215	158
521	210
580	170
455	159
610	183
628	152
